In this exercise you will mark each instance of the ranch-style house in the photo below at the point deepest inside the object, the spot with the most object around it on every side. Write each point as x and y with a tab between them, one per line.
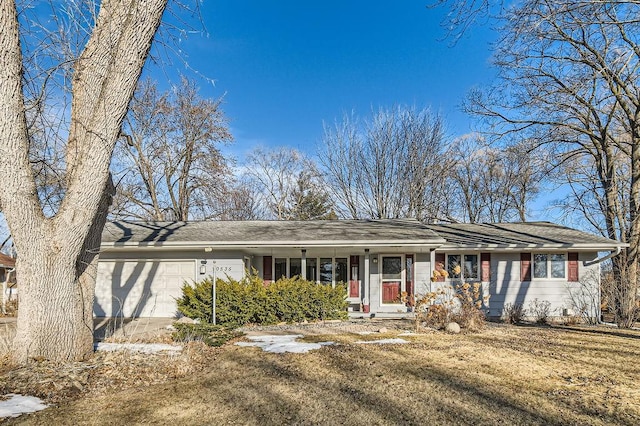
143	265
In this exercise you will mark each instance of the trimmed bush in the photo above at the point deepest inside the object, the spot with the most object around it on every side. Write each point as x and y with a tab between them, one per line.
250	301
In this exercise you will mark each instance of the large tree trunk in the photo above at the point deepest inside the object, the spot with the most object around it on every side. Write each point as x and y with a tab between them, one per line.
52	323
58	255
57	288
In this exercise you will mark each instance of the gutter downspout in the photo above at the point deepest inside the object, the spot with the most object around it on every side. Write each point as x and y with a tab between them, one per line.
602	259
594	262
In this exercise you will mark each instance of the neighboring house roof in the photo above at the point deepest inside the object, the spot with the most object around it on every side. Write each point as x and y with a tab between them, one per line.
7	261
522	235
314	233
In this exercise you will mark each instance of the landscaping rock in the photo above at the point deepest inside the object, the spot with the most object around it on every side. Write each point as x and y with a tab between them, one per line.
383	330
185	320
452	327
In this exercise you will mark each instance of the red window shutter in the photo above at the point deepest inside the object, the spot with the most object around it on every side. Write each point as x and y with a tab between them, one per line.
354	279
439	266
572	268
525	266
267	271
485	260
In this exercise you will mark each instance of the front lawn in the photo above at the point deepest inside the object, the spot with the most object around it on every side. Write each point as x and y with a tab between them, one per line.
503	375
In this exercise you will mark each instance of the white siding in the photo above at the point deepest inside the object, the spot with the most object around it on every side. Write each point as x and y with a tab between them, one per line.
507	288
140	288
422	273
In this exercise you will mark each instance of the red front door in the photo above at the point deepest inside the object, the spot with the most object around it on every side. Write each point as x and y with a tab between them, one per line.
391	278
391	292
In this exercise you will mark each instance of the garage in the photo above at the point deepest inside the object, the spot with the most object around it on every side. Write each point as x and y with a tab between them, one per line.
140	288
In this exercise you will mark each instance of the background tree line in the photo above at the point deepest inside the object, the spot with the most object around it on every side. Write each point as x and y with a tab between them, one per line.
398	162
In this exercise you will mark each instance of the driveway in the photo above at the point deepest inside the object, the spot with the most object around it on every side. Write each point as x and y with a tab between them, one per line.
117	328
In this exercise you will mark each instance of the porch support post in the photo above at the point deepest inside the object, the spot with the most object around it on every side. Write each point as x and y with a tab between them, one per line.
303	264
432	267
365	298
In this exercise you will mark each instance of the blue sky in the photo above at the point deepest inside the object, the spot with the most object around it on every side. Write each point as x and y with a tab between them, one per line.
286	66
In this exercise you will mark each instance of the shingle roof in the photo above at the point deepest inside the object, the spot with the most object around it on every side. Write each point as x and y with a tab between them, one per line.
384	232
518	235
271	233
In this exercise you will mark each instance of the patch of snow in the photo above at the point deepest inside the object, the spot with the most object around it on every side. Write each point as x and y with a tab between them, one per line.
146	348
407	333
383	342
17	404
365	333
282	344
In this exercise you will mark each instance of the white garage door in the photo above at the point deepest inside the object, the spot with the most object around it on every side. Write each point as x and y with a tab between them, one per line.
145	288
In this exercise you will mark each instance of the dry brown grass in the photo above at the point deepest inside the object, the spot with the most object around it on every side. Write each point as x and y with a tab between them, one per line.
503	375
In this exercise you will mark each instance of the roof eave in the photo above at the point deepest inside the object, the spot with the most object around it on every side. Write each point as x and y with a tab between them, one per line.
509	247
272	244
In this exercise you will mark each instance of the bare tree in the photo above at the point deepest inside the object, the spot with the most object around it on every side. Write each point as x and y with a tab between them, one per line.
170	163
244	202
393	165
494	183
273	176
568	80
58	254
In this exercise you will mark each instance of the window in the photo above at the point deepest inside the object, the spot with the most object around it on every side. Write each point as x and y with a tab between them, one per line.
463	266
558	266
326	270
295	267
312	269
391	268
453	265
549	265
470	270
540	265
341	270
280	268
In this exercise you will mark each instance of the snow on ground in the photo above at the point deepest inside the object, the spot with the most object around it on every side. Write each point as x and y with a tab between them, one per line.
147	348
17	404
383	342
282	344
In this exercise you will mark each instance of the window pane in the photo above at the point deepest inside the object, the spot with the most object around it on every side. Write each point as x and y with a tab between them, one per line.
540	266
280	268
312	269
409	263
326	270
453	265
471	266
557	266
341	269
295	267
392	268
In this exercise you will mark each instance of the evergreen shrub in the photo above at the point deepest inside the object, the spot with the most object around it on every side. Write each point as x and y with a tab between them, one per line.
251	301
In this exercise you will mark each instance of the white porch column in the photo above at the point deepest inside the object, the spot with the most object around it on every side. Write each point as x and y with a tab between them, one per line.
303	264
365	299
432	266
